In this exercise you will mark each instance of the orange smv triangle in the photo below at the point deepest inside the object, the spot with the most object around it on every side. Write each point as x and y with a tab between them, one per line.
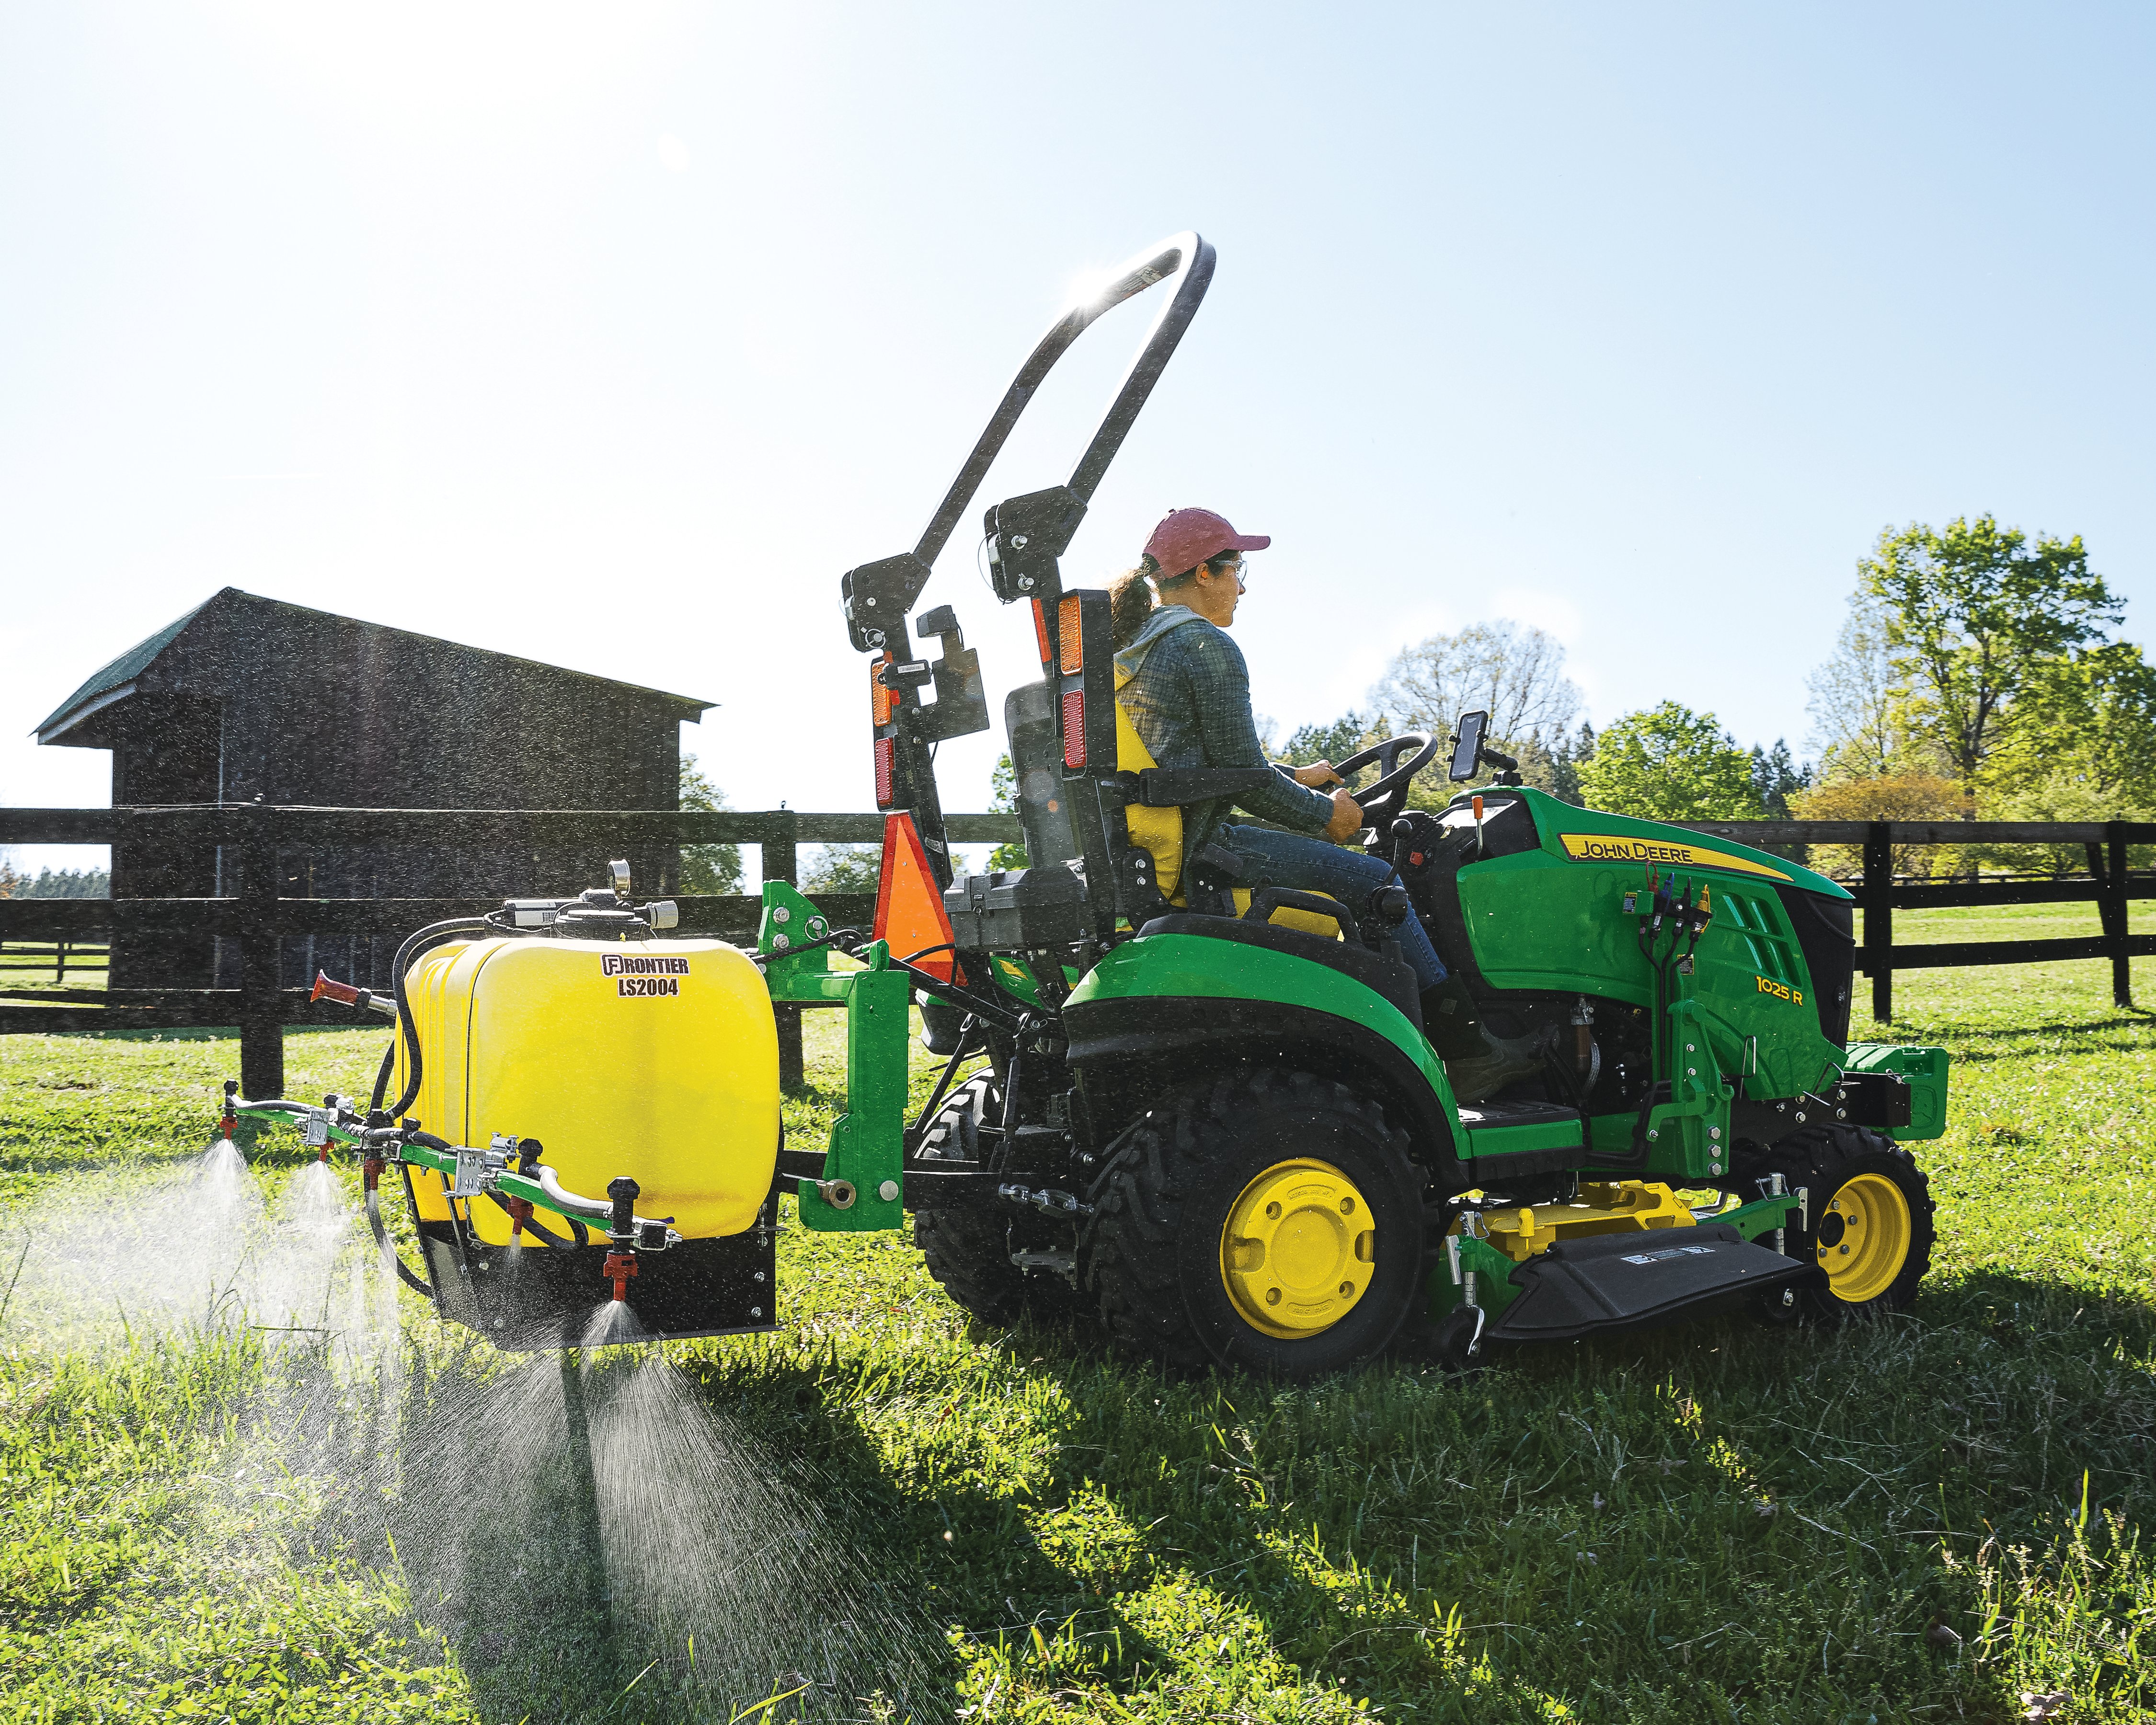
909	907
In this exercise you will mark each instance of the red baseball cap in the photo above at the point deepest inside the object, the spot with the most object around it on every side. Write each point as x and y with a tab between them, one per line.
1187	537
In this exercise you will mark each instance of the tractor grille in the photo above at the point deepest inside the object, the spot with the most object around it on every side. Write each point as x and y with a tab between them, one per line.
1826	929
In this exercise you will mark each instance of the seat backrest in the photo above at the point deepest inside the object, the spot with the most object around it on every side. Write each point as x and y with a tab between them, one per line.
1037	765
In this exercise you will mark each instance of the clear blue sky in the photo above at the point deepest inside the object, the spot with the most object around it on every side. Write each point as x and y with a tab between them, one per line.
1636	322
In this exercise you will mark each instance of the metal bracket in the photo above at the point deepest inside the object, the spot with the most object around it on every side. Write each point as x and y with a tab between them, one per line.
478	1171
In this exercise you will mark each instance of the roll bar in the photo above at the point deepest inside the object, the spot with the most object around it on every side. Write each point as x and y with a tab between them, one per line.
878	596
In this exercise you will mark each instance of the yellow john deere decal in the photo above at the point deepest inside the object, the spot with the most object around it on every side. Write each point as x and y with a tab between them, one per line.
1768	985
1610	847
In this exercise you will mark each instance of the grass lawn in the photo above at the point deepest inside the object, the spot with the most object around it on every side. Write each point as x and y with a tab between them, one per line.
369	1517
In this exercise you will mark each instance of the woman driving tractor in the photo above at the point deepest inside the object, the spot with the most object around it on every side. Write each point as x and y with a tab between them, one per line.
1187	690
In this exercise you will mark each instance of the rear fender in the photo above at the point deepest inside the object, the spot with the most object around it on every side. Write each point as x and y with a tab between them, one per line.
1128	1052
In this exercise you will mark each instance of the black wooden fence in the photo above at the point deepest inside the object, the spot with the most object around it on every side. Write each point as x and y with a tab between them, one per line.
1879	893
257	917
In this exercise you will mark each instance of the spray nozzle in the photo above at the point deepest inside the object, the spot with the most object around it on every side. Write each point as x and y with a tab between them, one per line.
620	1265
519	1213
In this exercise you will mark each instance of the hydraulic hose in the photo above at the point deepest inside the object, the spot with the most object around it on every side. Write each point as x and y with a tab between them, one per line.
418	1283
409	1029
532	1225
382	1077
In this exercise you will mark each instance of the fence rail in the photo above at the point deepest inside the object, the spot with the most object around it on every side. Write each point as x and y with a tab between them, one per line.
259	918
2108	885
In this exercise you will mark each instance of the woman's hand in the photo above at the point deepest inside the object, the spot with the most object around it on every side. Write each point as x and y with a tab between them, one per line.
1318	776
1346	818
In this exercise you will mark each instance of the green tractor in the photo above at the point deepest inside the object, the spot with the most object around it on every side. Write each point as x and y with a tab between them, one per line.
1234	1139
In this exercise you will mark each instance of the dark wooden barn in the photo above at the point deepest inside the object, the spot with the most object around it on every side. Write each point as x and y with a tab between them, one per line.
247	699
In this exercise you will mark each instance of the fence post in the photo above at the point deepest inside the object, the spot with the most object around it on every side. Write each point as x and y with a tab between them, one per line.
782	862
2110	906
1879	917
261	1015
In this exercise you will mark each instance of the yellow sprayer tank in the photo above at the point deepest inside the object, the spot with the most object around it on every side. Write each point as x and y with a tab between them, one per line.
654	1059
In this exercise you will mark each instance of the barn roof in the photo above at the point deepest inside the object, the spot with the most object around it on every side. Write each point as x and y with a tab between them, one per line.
163	660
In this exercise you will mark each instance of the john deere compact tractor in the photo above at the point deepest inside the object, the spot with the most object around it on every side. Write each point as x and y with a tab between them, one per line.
1202	1111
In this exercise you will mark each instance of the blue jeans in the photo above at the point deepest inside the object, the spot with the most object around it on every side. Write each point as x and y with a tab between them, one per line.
1313	865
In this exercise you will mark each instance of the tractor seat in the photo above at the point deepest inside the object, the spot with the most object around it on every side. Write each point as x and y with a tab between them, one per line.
1160	831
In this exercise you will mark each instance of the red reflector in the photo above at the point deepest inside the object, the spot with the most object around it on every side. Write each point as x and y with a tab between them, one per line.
1041	634
884	750
1074	728
878	696
1074	648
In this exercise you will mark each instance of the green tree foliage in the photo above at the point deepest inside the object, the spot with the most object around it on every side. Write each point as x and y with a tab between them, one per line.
707	868
1970	611
55	883
1776	778
2088	719
842	868
1566	761
1670	763
1002	790
2080	744
1311	743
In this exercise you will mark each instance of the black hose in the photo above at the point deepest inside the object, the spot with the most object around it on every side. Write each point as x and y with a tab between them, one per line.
419	1283
844	938
405	1022
532	1226
382	1077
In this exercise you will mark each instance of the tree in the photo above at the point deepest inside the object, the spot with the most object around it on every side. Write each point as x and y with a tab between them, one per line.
1903	796
2089	717
1670	763
1516	673
1776	778
843	868
1335	742
2079	744
1856	705
1003	788
1970	611
707	868
1570	755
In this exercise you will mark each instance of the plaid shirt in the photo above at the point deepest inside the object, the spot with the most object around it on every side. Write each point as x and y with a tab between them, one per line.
1189	703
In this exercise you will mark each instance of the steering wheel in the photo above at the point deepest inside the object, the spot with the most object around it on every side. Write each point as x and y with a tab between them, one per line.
1387	795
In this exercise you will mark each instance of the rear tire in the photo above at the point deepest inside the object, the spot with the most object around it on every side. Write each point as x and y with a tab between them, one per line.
1174	1251
1868	1224
968	1246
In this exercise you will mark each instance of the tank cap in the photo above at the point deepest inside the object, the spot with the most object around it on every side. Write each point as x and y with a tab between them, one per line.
663	913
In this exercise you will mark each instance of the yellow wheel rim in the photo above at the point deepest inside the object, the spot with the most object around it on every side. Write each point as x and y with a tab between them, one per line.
1298	1249
1862	1238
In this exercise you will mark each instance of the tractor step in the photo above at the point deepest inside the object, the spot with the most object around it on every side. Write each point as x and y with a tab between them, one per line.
1618	1281
1510	1140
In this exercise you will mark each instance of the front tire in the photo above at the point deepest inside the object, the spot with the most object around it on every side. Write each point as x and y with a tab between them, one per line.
1270	1222
1868	1224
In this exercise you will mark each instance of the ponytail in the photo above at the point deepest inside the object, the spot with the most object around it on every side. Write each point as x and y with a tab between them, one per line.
1131	602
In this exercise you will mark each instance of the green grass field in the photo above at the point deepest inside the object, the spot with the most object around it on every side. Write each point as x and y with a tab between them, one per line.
1930	1518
